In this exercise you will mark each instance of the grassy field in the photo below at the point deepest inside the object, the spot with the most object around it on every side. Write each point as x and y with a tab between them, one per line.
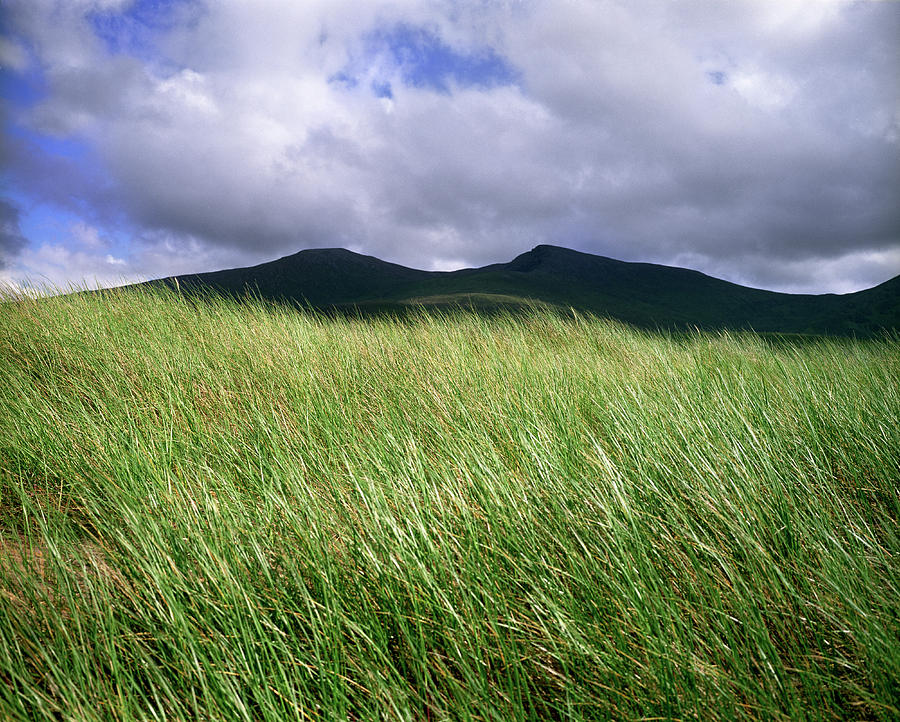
221	512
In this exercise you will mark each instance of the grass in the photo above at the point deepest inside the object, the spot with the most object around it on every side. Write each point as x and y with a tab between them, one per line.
238	512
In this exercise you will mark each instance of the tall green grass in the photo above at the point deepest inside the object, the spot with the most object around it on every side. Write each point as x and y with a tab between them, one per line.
236	512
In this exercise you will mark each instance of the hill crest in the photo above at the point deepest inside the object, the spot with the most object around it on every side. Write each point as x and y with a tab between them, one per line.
643	294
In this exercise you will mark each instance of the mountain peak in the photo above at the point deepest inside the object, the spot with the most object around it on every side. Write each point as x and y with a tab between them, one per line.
644	294
548	257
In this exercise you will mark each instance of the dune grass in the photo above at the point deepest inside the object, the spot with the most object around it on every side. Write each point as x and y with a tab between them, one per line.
235	512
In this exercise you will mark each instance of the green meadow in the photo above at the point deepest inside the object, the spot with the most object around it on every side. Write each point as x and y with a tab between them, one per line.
213	510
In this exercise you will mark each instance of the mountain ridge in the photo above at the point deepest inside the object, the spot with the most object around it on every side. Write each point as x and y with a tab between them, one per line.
643	294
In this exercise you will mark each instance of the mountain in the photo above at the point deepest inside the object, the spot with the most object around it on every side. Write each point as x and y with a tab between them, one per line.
643	294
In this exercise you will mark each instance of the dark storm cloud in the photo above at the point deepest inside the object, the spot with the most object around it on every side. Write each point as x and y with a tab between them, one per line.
11	239
754	140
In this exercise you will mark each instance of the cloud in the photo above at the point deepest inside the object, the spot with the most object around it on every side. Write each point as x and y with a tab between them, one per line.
11	239
85	257
12	55
756	140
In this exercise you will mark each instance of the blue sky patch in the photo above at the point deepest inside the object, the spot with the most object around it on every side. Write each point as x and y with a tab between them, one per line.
56	146
134	30
717	77
382	89
423	60
345	79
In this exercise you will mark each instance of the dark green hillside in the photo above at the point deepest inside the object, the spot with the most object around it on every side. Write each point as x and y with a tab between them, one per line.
318	277
643	294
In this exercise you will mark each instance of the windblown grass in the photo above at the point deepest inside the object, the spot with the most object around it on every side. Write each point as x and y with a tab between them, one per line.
222	511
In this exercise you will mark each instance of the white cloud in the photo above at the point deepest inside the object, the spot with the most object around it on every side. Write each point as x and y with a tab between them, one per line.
56	266
769	92
12	55
87	236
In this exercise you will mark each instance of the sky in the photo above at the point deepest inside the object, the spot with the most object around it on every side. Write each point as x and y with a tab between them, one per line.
754	141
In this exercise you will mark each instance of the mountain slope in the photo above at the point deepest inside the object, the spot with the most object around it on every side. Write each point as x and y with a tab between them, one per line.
318	277
644	294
